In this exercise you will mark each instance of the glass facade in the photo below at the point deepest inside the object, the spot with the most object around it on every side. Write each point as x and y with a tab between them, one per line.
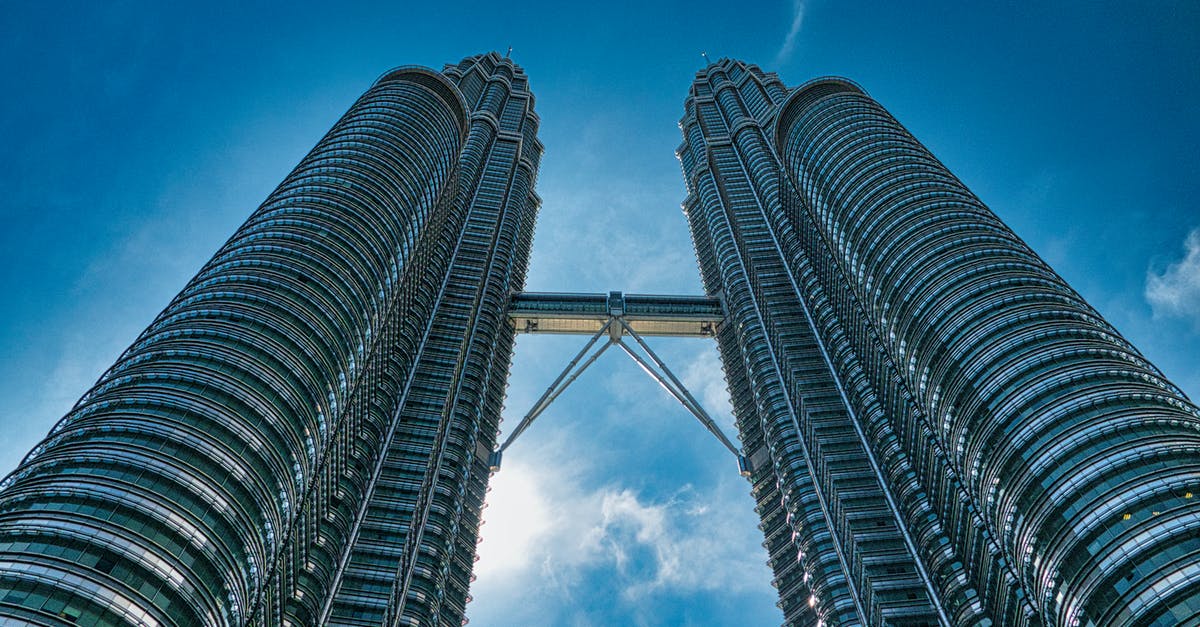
301	437
941	430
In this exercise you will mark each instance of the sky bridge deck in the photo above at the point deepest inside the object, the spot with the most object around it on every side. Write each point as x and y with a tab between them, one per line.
585	314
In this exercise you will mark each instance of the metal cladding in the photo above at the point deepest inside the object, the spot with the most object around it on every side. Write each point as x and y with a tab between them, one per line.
302	435
941	431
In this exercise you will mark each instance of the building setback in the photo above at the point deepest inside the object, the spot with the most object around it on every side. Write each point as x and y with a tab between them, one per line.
941	430
936	428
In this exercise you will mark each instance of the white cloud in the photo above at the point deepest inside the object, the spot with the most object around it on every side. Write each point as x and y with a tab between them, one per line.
688	536
537	519
789	41
1176	291
548	537
704	377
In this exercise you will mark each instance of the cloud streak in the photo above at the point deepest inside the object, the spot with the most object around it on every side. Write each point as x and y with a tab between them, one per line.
789	40
1176	291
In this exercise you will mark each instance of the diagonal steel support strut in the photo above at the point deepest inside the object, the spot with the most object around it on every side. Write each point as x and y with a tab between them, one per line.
675	388
565	378
655	367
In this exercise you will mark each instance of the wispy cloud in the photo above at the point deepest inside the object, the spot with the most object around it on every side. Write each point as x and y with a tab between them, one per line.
1176	291
705	378
590	222
687	538
548	537
789	41
538	518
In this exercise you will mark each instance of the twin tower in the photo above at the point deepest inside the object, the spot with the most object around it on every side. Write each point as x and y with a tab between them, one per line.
936	429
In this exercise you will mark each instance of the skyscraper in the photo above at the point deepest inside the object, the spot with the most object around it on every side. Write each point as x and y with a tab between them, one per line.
941	431
936	428
301	436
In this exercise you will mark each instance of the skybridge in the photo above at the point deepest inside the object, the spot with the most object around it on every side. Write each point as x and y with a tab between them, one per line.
612	317
645	314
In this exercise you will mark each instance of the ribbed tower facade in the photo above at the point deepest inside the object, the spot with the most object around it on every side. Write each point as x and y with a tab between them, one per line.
940	430
301	437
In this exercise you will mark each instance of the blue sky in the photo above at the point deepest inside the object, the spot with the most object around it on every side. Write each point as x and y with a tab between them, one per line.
136	136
